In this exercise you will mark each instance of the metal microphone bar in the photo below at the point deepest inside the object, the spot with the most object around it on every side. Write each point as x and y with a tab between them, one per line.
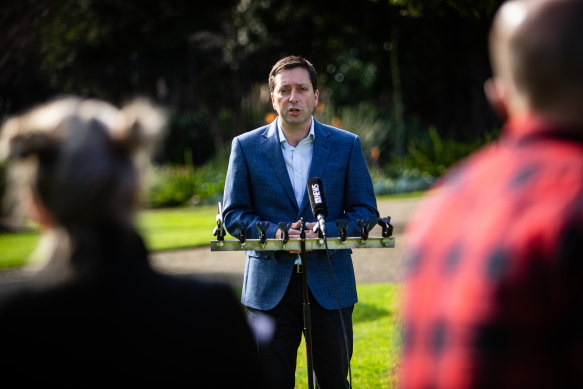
334	243
286	244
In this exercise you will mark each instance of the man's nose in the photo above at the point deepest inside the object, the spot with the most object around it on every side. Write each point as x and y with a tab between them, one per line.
293	96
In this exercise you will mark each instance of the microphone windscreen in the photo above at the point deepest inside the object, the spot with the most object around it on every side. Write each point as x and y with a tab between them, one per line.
317	200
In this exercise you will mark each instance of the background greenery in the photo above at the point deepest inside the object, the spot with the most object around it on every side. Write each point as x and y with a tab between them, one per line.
428	156
406	75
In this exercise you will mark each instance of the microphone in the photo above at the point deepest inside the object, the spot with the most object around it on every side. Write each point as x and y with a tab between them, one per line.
318	202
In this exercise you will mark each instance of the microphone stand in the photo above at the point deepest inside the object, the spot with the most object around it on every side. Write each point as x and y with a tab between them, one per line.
342	242
306	306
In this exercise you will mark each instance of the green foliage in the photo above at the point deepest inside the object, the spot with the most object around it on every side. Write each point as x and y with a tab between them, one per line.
470	9
188	136
173	186
176	185
383	142
400	181
433	155
394	167
365	121
212	59
354	79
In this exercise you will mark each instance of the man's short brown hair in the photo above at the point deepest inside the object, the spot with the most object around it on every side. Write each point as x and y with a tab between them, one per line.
290	62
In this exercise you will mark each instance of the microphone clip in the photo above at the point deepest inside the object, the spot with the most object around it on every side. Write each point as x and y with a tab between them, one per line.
320	228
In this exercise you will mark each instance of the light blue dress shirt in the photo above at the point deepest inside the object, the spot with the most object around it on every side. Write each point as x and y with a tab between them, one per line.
298	160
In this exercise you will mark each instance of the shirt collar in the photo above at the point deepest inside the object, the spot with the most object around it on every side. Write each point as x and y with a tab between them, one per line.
283	141
535	126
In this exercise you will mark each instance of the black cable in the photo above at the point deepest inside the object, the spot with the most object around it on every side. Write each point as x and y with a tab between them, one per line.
339	313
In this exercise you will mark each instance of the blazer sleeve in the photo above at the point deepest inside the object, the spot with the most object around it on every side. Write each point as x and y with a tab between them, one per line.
360	201
238	196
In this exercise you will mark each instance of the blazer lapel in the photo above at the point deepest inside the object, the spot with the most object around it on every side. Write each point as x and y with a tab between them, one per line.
272	151
320	156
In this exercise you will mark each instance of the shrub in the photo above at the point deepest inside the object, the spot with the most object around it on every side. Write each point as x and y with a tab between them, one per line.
407	180
433	155
177	185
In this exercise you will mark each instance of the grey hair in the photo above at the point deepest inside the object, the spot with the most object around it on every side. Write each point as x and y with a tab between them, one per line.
80	158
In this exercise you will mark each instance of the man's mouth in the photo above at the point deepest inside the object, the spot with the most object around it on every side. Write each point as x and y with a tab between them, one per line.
295	110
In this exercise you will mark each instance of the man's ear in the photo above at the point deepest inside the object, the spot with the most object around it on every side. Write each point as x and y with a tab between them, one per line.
497	96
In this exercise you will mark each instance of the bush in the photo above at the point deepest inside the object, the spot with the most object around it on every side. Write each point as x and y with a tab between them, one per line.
186	131
408	180
433	155
364	121
177	185
383	138
402	156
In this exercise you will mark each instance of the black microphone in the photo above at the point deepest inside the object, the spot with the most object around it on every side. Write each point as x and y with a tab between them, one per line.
318	202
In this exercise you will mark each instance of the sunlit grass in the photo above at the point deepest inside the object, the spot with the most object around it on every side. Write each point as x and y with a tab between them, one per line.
162	229
16	248
177	228
406	195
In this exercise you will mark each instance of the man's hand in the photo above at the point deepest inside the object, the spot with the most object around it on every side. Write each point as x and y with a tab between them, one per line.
294	233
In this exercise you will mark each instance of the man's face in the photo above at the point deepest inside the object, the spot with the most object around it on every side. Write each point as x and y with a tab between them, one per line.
293	97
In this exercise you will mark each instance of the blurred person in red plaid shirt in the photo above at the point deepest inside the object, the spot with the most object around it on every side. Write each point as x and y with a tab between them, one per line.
494	293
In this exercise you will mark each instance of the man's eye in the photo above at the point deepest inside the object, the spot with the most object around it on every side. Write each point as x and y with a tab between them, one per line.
283	91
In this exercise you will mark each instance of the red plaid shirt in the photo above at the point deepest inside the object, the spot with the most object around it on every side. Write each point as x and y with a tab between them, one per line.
494	293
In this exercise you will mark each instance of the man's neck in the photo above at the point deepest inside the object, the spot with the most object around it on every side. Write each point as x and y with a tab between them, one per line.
295	134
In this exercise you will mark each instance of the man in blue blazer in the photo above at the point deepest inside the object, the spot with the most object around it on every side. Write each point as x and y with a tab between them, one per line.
266	182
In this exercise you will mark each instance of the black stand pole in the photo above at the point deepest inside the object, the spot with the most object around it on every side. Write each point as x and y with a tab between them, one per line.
307	312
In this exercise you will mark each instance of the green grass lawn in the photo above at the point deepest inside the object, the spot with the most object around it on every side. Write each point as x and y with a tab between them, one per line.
176	228
15	248
162	229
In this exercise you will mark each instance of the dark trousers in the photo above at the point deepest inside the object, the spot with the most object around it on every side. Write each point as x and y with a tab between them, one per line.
328	346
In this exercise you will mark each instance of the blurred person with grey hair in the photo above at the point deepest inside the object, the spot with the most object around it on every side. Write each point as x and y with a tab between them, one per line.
97	312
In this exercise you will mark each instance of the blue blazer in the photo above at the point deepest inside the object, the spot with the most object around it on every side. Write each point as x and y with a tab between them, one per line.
258	188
